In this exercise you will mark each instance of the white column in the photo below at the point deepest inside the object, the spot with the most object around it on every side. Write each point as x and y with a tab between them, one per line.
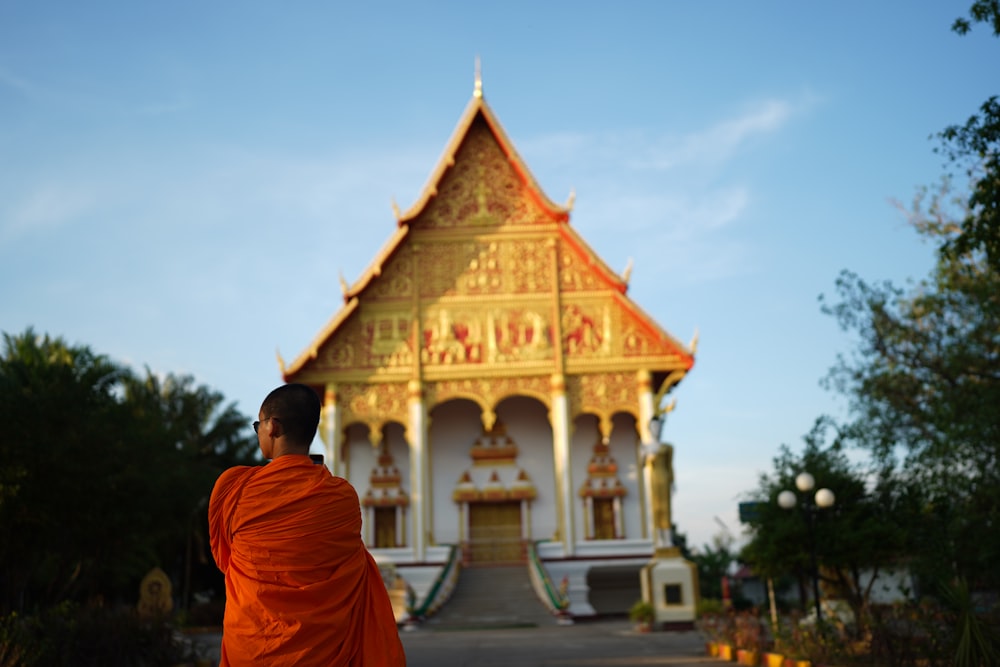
330	431
419	470
616	504
563	469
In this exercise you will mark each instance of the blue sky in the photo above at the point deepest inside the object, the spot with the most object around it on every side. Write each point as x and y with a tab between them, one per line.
181	184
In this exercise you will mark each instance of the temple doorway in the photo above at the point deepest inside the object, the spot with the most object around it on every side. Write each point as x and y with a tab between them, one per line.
385	528
495	533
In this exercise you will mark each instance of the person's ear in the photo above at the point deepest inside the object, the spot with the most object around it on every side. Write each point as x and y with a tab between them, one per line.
274	428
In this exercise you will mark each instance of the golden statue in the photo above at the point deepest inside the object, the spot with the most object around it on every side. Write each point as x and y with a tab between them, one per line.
663	483
154	594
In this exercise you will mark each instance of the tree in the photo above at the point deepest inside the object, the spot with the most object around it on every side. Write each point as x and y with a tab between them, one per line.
55	401
975	146
207	436
713	562
924	386
854	540
99	480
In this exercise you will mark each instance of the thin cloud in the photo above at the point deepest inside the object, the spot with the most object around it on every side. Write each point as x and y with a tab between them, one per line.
678	193
48	206
717	144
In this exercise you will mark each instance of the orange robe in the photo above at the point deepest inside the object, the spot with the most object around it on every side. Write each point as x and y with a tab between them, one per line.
301	588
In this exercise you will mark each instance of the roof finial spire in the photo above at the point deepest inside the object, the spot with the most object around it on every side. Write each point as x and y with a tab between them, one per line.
479	79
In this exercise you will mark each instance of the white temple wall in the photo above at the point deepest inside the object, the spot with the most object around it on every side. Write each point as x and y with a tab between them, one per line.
527	423
581	448
624	448
357	453
454	427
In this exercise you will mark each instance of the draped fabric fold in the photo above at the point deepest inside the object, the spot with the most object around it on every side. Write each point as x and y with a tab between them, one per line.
301	588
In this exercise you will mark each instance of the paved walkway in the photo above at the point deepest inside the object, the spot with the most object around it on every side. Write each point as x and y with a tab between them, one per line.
584	644
606	643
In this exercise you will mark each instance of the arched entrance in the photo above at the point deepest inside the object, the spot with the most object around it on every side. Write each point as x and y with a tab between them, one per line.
494	511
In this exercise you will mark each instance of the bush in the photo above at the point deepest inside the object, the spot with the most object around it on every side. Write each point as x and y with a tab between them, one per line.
709	607
68	635
642	612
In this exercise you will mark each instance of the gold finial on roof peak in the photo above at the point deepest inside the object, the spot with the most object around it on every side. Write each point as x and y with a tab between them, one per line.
478	92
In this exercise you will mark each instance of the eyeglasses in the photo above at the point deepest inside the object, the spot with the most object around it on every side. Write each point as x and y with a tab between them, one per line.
256	425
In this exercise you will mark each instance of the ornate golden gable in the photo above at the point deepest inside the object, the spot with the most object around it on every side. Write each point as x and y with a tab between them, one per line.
485	291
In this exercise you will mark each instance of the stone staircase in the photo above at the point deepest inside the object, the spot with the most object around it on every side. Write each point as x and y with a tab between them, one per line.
492	597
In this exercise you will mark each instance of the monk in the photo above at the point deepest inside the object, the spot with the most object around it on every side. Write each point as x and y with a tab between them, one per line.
301	588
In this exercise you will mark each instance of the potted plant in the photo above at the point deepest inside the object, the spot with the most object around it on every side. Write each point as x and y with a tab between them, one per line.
749	638
709	624
643	615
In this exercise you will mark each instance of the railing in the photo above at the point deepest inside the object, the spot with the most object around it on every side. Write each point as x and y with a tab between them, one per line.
556	600
442	589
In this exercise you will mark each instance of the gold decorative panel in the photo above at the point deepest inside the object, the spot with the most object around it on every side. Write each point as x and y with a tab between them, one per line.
485	335
485	292
489	392
575	274
587	329
485	266
373	404
603	394
395	281
481	189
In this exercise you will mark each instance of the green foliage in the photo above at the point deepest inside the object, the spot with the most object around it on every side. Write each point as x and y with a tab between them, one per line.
67	635
924	384
945	631
709	607
821	644
858	535
975	146
103	474
977	641
641	612
713	562
981	11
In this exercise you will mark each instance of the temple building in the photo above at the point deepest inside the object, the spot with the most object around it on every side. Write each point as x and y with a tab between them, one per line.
488	389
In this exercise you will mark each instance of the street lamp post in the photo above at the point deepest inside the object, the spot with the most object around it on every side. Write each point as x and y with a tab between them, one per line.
823	499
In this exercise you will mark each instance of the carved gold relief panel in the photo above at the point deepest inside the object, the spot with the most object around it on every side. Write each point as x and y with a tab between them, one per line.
489	392
602	394
598	329
589	328
396	279
370	340
481	188
373	404
486	266
575	273
485	335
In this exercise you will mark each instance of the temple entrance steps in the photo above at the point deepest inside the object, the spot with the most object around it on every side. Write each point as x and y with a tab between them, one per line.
492	596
